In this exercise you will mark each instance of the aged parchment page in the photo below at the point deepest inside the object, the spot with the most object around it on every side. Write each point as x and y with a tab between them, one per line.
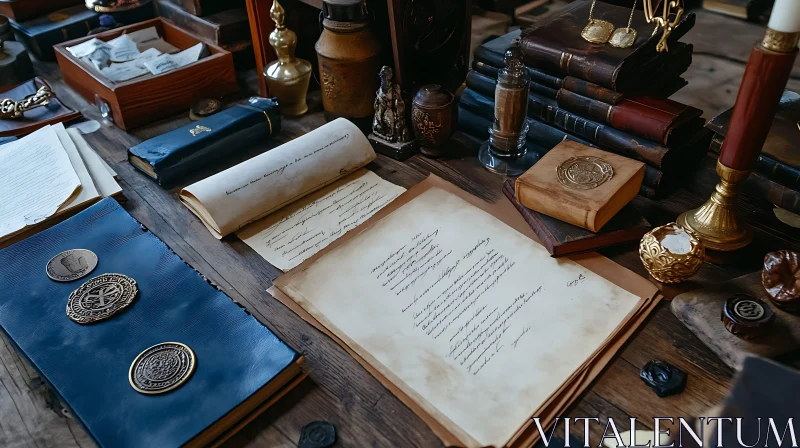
88	192
231	199
292	234
466	315
36	178
101	174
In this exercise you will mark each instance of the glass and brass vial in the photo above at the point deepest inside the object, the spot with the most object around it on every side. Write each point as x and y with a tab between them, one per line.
288	77
505	152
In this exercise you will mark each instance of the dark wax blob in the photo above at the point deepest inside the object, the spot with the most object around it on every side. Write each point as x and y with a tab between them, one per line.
665	379
317	435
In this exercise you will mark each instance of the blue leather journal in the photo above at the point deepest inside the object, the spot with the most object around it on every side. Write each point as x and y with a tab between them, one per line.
241	366
169	157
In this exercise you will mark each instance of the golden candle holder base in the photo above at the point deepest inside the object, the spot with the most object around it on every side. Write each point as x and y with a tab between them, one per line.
717	222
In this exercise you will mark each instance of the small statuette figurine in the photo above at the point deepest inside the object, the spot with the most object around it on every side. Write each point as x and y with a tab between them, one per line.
505	152
746	316
664	378
671	254
781	279
390	135
287	77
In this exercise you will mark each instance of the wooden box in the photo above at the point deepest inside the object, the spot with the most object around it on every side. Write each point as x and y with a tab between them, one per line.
151	97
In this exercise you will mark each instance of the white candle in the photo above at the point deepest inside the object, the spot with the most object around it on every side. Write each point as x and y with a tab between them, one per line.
785	16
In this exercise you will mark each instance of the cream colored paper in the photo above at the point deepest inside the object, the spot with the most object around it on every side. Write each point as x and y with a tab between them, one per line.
231	199
99	171
88	192
473	320
36	179
292	234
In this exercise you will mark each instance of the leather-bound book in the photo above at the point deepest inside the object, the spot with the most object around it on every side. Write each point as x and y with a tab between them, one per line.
779	195
556	46
26	9
239	366
169	157
743	9
207	7
580	185
54	112
39	34
225	28
659	119
662	79
561	238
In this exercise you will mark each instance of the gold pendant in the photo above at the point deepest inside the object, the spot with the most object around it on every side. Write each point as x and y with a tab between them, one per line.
597	31
623	38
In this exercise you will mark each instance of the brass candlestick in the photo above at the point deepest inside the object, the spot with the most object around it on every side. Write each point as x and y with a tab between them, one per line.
717	222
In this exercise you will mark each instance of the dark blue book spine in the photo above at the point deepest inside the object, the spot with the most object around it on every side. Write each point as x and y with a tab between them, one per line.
778	172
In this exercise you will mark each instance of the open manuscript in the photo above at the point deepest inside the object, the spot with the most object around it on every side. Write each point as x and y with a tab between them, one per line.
471	323
294	200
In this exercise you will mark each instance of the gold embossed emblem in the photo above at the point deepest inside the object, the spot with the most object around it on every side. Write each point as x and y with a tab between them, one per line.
597	31
162	368
199	130
101	297
427	127
584	172
330	80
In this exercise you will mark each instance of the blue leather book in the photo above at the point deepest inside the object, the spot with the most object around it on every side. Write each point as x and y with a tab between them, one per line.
241	366
171	156
41	33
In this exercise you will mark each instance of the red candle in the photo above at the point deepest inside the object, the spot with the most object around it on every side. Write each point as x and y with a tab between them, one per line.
762	86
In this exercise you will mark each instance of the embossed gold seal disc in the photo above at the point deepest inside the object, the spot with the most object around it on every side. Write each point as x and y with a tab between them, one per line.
584	172
101	297
162	368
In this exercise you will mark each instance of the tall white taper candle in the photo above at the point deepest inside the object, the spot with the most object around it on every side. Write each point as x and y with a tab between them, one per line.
785	16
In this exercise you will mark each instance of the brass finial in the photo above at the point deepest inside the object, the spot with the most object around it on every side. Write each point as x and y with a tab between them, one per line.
278	14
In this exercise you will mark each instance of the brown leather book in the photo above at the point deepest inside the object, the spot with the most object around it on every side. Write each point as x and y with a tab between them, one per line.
658	119
561	238
54	112
581	185
26	9
557	46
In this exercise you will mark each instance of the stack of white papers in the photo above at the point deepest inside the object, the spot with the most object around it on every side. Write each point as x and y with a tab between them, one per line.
48	173
134	54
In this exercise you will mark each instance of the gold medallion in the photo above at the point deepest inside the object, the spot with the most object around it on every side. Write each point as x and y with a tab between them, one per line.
100	298
162	368
623	38
597	31
584	172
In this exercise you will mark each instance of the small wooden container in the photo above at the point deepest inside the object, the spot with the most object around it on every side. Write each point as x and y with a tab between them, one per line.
433	116
151	97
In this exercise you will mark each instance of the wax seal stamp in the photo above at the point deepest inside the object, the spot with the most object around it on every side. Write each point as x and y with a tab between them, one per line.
317	435
162	368
204	107
781	279
101	297
671	254
71	265
746	316
584	172
664	378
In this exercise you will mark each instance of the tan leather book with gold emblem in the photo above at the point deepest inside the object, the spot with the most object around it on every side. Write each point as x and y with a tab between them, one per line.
580	185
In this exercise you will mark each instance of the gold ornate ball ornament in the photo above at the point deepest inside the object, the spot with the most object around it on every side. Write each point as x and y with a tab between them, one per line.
676	265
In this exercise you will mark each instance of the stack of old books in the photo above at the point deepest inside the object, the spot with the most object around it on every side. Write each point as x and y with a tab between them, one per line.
612	98
222	22
776	176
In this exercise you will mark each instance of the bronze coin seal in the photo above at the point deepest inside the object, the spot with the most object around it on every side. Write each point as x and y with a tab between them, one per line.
584	172
71	265
101	297
162	368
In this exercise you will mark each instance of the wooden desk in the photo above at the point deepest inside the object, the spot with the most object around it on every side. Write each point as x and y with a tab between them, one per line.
339	390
